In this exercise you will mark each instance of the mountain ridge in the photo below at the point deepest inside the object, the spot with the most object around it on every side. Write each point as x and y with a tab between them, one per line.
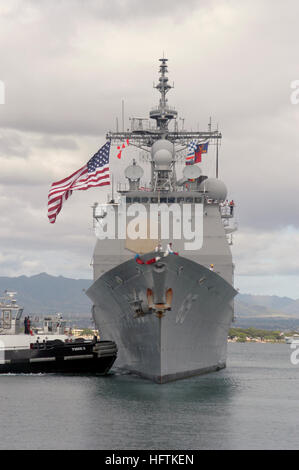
44	294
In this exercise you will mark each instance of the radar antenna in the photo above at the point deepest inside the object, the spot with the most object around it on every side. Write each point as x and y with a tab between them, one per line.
162	114
144	137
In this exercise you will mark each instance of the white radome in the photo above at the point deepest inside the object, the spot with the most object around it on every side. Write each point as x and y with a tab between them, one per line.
215	188
162	154
191	172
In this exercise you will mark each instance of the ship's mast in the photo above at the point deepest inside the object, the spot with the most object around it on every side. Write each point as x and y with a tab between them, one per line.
163	113
144	138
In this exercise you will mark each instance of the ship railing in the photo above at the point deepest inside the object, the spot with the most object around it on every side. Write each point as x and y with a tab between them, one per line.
226	211
166	108
140	124
5	324
12	348
122	187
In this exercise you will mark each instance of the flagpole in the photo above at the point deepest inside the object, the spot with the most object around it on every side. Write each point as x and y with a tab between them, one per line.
123	114
217	154
112	184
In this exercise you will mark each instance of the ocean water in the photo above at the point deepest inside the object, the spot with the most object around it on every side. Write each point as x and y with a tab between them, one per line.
252	404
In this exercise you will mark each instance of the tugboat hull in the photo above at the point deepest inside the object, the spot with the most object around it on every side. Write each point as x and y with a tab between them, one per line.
58	357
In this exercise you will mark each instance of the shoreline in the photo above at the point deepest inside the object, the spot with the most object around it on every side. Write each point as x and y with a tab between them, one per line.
257	335
256	341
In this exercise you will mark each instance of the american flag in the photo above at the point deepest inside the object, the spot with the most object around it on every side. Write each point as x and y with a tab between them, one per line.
94	173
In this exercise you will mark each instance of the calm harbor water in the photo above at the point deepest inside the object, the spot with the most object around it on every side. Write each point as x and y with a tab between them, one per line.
253	404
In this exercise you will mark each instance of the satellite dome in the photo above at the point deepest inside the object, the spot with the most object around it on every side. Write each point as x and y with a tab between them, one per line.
163	159
215	188
191	172
162	144
134	172
162	153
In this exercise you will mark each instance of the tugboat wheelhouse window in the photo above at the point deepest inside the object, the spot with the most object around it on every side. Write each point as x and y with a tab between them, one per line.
19	314
7	318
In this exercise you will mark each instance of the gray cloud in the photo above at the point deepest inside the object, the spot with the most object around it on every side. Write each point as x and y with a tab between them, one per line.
67	65
52	142
116	11
11	144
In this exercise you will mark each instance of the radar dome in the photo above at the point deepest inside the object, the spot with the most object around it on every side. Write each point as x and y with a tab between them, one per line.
215	188
162	154
162	144
134	172
162	159
191	172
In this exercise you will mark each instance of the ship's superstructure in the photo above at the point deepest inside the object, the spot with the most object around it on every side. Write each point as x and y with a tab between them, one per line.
163	271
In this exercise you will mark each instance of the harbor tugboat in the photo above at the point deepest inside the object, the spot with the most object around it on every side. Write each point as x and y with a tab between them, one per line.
24	349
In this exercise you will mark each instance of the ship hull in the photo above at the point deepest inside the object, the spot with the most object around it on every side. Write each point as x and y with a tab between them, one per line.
189	338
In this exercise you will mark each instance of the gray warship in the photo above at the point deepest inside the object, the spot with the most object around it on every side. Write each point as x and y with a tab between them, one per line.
167	306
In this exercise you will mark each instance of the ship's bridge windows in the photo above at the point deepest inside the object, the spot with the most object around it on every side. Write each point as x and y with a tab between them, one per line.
136	199
144	199
128	199
180	200
171	200
6	314
154	199
19	314
163	200
7	318
197	200
189	199
48	325
14	313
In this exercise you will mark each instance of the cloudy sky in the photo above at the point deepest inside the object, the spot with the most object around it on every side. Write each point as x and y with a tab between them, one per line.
68	64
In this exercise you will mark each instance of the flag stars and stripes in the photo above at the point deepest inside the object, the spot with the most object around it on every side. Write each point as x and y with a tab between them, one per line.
100	159
94	173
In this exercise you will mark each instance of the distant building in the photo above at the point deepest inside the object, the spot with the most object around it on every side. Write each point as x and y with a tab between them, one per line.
78	332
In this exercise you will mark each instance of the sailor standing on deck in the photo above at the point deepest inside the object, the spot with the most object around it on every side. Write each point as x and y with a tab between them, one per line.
169	250
26	326
232	205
